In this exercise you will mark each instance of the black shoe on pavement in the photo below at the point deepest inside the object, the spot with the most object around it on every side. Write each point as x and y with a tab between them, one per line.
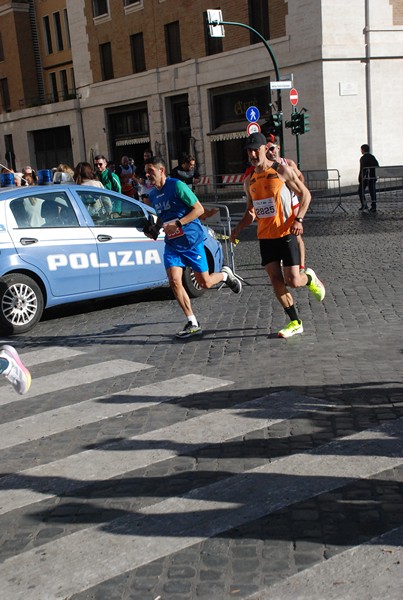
232	280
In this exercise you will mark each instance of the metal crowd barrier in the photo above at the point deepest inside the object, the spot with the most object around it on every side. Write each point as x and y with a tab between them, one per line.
219	188
217	217
324	186
390	180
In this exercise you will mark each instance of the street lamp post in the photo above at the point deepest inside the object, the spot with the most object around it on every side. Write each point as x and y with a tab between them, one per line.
214	23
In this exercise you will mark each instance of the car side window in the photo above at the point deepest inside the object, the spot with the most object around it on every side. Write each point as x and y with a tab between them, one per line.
44	210
107	210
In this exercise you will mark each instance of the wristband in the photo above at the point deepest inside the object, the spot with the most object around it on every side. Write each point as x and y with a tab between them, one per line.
178	223
299	219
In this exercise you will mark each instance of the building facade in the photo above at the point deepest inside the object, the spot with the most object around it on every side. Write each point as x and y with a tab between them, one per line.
82	77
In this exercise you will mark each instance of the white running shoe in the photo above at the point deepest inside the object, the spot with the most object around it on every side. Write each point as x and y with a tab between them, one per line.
232	282
16	372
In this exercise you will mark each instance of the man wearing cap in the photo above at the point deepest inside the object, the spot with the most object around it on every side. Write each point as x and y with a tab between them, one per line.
278	227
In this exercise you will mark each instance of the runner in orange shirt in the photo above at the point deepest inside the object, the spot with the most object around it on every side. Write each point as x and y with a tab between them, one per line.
278	227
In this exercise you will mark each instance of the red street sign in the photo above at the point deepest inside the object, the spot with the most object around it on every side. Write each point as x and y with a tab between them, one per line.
294	97
253	128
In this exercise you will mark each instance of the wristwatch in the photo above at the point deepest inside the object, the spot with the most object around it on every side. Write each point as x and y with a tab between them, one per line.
299	219
178	223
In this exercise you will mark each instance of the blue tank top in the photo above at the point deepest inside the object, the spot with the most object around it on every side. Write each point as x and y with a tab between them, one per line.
173	201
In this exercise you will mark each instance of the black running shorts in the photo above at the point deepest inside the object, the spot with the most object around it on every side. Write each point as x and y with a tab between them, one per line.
280	249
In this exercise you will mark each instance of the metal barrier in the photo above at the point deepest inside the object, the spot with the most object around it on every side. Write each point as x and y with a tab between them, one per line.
219	188
390	180
217	217
324	186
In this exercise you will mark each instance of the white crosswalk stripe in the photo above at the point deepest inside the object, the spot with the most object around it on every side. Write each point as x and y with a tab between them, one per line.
94	554
75	377
205	512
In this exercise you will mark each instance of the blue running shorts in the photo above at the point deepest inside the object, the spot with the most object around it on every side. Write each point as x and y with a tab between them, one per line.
194	257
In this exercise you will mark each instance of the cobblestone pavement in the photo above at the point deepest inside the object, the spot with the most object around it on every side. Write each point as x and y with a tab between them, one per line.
239	465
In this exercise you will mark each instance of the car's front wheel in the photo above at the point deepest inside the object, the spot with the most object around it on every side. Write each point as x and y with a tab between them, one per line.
21	303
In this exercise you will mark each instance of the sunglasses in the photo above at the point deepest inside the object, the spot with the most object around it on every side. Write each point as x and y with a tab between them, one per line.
272	148
98	164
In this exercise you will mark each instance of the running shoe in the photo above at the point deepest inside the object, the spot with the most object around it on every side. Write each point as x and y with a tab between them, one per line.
291	329
232	282
316	286
16	373
189	330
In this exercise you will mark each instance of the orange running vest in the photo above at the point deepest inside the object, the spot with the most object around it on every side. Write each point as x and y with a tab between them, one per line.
272	203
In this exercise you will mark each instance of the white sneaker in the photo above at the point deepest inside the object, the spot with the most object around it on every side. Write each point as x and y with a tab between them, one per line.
16	373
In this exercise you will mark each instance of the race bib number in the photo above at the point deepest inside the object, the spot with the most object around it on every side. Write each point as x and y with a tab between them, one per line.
177	233
265	208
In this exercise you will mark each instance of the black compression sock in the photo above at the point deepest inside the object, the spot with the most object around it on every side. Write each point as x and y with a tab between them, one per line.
292	313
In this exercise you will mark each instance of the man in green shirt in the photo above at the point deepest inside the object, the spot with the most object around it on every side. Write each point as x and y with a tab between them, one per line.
109	180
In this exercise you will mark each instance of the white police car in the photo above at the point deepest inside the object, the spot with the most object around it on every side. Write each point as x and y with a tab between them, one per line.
65	243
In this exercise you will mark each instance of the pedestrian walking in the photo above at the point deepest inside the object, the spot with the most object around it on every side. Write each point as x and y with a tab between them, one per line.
278	227
367	178
178	210
13	369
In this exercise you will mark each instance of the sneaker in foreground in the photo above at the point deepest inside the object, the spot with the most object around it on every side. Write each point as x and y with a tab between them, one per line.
16	373
232	281
316	286
189	330
291	329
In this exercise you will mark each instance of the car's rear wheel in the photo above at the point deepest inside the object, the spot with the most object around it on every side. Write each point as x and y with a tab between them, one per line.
21	303
189	280
190	284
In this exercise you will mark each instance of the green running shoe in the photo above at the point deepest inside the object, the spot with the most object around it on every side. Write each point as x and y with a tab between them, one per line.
188	330
291	329
316	286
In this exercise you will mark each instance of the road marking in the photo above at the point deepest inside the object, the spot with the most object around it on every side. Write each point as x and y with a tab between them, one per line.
104	407
70	473
47	355
88	557
75	377
346	576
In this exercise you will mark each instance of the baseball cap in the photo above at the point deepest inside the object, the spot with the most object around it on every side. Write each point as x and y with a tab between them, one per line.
255	140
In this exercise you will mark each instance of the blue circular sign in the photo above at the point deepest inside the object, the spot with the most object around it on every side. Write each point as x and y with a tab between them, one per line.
252	114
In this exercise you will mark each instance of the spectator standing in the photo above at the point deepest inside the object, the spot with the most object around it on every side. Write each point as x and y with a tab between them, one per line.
63	174
84	175
367	178
186	171
109	180
144	184
126	173
31	172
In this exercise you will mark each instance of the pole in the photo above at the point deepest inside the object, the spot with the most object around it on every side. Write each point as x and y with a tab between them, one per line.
276	69
294	110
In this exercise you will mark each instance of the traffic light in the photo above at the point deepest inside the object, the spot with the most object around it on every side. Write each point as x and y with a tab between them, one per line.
274	124
305	125
299	123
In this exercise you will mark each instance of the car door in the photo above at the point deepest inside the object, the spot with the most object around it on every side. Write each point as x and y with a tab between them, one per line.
47	233
128	260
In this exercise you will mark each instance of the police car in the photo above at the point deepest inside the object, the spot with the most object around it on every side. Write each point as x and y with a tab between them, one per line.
65	243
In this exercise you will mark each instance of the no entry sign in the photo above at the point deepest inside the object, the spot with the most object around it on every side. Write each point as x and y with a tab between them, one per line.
294	97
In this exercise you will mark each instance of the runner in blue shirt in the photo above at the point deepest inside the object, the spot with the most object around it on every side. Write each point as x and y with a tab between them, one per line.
178	210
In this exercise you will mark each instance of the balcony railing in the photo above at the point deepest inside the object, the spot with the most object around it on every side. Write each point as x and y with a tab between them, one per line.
47	99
